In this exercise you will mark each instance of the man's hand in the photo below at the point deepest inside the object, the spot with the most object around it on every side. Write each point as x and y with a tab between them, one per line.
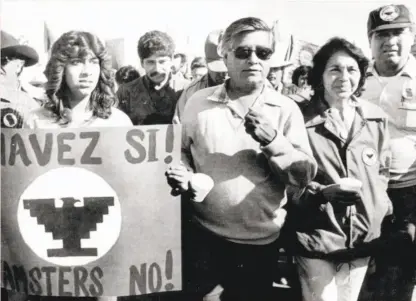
259	127
178	178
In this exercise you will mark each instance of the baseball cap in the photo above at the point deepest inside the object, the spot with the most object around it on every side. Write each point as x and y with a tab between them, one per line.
389	17
214	60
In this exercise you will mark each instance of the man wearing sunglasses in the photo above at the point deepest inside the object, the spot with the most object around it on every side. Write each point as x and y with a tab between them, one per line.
251	141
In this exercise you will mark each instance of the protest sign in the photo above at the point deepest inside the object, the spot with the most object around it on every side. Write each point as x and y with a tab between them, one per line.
88	212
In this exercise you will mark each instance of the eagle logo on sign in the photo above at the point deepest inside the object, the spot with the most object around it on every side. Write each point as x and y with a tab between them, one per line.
389	13
69	216
70	223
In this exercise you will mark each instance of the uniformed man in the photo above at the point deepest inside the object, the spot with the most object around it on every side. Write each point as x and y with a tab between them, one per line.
391	84
15	102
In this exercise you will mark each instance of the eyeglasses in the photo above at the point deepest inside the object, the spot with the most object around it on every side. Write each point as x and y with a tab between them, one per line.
244	53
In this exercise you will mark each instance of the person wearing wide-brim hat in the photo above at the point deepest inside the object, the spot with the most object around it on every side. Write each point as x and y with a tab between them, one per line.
15	103
10	47
278	63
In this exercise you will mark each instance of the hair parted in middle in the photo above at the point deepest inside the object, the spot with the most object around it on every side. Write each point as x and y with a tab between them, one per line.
323	55
240	26
78	44
155	42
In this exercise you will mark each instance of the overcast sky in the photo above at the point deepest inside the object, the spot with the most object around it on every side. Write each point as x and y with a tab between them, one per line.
188	21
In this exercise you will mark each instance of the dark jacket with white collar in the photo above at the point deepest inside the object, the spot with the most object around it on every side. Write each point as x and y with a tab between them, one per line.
322	227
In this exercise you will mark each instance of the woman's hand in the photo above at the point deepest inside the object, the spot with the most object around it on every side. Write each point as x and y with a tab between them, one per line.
341	195
335	193
314	187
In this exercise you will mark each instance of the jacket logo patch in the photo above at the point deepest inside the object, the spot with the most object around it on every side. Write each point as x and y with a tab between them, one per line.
369	156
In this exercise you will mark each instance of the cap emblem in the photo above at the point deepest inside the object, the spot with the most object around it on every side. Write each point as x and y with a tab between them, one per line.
389	13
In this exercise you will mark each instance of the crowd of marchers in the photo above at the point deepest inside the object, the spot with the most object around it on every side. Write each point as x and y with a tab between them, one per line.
324	168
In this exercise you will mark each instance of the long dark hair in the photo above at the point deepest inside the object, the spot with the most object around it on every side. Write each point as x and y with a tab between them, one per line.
78	44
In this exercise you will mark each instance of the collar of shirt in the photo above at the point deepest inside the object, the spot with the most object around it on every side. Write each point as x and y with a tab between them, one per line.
10	84
409	69
267	96
322	107
220	94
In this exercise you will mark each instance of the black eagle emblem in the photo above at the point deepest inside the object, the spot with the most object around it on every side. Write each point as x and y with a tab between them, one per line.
70	223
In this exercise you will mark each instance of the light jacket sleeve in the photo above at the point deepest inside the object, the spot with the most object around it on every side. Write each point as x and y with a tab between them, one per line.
180	106
290	155
200	184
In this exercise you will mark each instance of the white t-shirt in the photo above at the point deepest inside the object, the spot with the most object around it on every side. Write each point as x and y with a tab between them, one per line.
43	119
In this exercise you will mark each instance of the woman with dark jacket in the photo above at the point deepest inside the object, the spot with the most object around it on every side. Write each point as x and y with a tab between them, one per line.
345	205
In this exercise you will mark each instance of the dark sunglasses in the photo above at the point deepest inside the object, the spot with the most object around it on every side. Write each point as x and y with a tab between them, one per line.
244	53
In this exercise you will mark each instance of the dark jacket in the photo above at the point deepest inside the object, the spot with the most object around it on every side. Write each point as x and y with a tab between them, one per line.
146	105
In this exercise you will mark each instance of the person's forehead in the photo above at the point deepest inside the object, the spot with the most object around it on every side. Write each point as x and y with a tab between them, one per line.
158	57
83	54
200	69
392	31
340	58
250	37
15	60
276	69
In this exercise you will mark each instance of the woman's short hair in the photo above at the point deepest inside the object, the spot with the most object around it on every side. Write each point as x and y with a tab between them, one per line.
126	74
300	71
78	44
244	25
321	58
155	42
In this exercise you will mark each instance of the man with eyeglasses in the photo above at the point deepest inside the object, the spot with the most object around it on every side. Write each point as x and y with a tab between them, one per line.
251	142
391	84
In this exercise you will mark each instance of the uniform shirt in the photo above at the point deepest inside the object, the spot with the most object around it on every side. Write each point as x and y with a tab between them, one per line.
15	104
145	105
245	204
396	95
44	119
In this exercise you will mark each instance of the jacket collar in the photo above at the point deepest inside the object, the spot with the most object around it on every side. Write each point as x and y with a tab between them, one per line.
409	69
267	96
364	109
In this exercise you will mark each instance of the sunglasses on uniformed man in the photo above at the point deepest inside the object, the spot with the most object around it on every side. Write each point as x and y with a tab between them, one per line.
261	52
